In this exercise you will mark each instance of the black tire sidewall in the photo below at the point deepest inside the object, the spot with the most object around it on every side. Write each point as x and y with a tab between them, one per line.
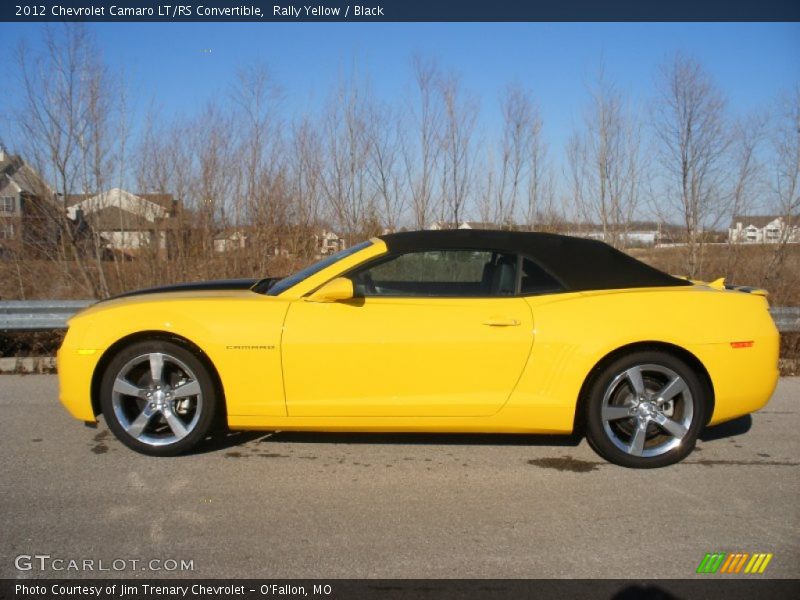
595	433
207	413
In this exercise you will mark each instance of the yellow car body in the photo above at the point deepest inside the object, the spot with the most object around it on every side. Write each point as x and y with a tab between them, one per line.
286	362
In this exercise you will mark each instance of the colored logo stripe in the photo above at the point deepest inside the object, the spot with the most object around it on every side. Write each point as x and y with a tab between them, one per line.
758	563
711	562
734	563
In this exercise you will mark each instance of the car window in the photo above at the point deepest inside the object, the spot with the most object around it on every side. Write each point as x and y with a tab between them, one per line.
535	280
439	273
284	284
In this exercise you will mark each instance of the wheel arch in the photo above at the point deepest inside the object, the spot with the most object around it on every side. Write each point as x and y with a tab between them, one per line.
681	353
154	335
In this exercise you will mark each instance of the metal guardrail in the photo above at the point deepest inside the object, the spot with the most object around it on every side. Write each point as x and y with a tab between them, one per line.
786	318
38	315
41	315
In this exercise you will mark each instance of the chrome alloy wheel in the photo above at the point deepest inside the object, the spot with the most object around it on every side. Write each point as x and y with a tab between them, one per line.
157	399
647	410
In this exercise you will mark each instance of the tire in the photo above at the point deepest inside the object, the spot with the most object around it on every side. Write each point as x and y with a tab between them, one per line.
645	410
158	398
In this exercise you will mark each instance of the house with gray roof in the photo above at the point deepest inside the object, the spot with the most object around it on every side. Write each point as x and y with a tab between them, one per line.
126	223
28	210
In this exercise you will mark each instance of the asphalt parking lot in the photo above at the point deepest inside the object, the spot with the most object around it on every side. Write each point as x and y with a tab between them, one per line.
311	505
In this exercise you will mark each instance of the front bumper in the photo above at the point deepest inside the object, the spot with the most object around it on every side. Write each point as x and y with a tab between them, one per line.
76	367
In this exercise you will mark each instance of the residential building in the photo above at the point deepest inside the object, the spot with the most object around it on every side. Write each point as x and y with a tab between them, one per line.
439	225
279	243
233	239
643	237
328	242
636	234
28	212
480	225
128	223
230	239
764	229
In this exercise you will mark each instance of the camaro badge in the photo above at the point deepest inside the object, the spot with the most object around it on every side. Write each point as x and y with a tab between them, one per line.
249	347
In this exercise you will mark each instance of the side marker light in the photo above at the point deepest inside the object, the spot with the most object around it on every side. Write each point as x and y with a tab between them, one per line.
748	344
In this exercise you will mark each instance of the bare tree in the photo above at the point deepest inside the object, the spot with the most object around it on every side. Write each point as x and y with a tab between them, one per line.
746	179
421	151
345	182
460	114
690	127
540	210
64	122
521	124
541	213
605	163
215	156
575	173
305	210
485	187
260	182
785	186
101	150
383	135
164	164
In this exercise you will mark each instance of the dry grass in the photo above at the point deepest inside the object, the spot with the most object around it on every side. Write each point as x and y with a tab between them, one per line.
30	343
32	279
790	353
739	265
41	279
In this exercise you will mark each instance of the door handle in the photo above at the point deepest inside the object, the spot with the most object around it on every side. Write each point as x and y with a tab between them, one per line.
501	322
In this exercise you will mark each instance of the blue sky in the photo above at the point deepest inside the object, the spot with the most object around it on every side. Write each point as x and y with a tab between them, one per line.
170	64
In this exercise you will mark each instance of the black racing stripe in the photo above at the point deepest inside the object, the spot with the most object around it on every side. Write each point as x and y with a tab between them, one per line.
194	286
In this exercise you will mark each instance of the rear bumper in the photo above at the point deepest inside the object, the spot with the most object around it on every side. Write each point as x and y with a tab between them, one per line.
743	378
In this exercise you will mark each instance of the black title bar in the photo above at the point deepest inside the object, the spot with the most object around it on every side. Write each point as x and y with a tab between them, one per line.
710	588
376	11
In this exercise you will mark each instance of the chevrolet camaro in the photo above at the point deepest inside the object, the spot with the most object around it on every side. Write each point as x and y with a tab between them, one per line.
433	331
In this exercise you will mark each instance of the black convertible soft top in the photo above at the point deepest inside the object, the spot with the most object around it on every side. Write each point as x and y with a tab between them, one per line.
580	264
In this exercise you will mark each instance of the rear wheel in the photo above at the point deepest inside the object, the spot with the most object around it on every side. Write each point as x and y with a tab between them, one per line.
645	410
158	398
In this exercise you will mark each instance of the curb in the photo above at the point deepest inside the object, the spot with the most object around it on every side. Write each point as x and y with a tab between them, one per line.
22	365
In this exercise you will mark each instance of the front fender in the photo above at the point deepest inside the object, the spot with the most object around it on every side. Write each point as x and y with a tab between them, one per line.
239	335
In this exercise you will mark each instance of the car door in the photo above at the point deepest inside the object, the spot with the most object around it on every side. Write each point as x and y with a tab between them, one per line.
436	333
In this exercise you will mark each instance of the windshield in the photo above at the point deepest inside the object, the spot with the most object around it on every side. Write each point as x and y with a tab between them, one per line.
284	284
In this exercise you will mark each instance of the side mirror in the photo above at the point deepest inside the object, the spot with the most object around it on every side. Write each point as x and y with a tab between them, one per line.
336	290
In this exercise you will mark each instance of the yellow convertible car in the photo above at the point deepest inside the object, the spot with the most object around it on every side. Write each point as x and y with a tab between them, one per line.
434	331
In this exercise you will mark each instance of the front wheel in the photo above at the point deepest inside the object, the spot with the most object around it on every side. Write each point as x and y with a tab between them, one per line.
158	398
645	410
